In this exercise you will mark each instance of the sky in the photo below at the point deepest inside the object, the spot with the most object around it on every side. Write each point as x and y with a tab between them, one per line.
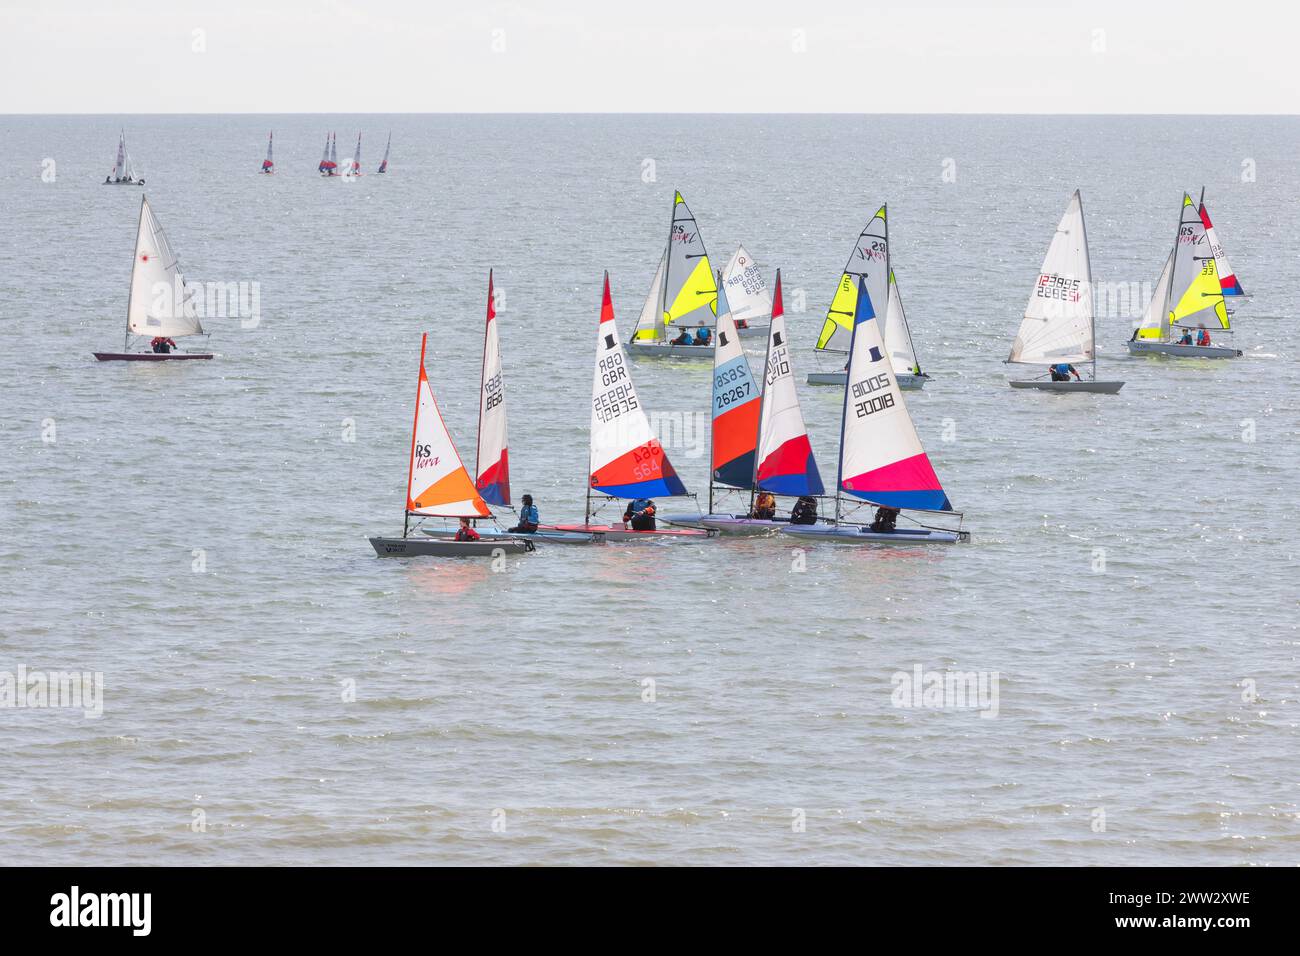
705	56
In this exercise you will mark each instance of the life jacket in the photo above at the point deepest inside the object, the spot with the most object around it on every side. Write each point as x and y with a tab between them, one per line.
529	515
466	534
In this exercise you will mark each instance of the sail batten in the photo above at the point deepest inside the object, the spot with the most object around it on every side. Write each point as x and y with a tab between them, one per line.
626	460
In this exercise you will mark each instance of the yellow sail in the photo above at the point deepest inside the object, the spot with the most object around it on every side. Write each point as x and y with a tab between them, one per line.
870	258
1205	288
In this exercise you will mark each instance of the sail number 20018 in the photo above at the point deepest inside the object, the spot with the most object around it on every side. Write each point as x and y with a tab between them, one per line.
867	403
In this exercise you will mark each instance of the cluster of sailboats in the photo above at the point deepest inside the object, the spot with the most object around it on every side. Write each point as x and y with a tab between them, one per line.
329	161
759	444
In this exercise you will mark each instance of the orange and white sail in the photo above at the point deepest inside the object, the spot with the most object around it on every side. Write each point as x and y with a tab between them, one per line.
438	484
493	461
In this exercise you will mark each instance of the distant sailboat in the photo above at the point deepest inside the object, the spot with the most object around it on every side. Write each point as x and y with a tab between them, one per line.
882	462
437	485
625	461
1189	295
751	303
767	451
354	167
328	164
1059	326
683	296
870	259
383	166
268	164
157	304
123	173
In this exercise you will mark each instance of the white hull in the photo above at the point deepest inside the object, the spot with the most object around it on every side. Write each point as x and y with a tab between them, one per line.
749	527
666	350
907	382
618	533
1101	388
1148	347
863	533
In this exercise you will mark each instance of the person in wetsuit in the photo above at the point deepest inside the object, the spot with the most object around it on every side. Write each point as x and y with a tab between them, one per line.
528	517
885	519
804	511
1062	372
162	345
641	514
465	532
764	507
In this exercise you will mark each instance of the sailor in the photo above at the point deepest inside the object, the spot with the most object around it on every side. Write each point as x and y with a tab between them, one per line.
701	336
1062	371
885	519
683	339
641	514
465	532
764	507
162	345
528	517
1187	337
1203	336
804	511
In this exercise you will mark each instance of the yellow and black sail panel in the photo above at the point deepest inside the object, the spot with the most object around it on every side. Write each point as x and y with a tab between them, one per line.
869	260
690	291
1195	294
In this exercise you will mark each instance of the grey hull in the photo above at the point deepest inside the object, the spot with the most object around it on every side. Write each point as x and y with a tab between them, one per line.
442	548
908	383
1101	388
665	350
862	533
550	537
1137	347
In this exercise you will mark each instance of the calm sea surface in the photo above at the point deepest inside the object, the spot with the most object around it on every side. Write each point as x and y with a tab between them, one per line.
196	532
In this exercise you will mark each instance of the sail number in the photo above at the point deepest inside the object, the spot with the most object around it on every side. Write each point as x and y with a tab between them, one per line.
869	403
1057	287
778	365
645	460
620	397
732	395
493	392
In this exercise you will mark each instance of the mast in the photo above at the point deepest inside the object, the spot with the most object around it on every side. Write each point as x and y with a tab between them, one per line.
126	339
718	280
1173	269
848	377
1092	304
762	396
668	262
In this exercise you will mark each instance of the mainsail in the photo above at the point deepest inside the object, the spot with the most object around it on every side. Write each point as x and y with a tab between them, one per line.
650	324
1195	295
1155	321
493	459
690	290
1227	280
1058	322
383	165
122	168
626	461
268	164
437	483
159	303
354	168
736	404
327	163
870	261
746	290
881	457
334	153
785	460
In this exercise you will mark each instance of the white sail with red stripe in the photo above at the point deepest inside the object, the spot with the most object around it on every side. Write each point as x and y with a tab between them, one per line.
493	460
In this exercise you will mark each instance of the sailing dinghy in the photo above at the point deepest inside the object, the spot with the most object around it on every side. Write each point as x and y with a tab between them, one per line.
683	296
777	456
268	164
751	303
492	466
882	462
1189	295
123	173
354	167
1060	326
329	159
870	260
437	485
383	165
626	460
157	304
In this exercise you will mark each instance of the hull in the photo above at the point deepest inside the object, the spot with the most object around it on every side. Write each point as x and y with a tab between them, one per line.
443	548
749	332
550	537
907	382
859	534
125	182
664	350
740	525
1101	388
1139	347
150	356
617	533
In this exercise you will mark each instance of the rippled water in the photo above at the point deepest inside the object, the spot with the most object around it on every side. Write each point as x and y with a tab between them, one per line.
499	717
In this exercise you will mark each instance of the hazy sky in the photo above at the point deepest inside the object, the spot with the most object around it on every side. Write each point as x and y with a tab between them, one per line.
1050	56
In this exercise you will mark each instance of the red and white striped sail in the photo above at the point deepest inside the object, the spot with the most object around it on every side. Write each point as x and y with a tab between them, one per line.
785	460
493	481
268	164
354	167
383	165
437	484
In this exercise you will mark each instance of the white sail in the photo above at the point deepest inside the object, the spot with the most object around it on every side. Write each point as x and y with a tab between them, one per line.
785	459
649	326
1195	292
747	293
493	459
870	260
898	338
1155	321
158	303
1057	326
438	483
